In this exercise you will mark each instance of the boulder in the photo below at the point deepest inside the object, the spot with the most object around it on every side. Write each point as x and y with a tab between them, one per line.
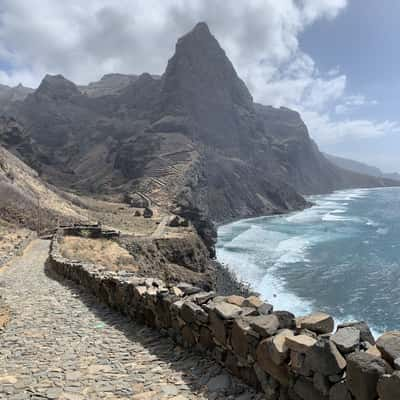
188	289
277	347
347	339
363	373
265	325
279	372
318	322
236	300
365	332
325	358
202	297
137	213
286	319
389	386
265	309
226	310
252	301
240	330
191	312
300	343
389	345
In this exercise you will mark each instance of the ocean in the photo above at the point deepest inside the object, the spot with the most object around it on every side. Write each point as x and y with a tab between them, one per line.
341	256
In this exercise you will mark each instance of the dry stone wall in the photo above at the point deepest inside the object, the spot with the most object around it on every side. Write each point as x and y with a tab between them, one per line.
286	357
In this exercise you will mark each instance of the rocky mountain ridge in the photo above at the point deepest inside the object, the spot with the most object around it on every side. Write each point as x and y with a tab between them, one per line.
192	141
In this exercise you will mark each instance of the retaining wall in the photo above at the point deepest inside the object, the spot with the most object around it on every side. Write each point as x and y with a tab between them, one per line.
286	357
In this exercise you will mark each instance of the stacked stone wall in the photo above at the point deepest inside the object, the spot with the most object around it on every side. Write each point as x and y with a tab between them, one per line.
275	352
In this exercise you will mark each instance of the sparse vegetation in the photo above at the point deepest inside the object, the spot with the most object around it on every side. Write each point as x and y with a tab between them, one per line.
98	251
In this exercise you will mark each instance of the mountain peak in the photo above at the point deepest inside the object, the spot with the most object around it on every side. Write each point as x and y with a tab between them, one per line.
201	29
200	81
57	87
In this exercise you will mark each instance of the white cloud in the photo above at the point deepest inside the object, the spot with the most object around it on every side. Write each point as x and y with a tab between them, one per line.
330	131
84	40
350	103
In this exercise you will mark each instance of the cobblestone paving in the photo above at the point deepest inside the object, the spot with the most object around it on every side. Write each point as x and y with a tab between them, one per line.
61	344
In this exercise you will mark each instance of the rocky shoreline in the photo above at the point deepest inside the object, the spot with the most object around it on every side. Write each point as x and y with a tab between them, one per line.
286	357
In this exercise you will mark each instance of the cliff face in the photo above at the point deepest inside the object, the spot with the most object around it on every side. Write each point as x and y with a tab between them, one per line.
192	141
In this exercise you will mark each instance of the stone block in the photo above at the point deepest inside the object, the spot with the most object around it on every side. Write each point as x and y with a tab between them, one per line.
218	328
365	332
389	345
277	346
347	339
252	301
363	373
265	325
236	300
389	386
239	337
325	358
286	319
279	372
226	310
191	312
318	322
300	343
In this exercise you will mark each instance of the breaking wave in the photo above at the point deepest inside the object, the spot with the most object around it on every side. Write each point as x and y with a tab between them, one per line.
322	259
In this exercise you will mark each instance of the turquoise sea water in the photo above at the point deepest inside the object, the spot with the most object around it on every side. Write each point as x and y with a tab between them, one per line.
341	256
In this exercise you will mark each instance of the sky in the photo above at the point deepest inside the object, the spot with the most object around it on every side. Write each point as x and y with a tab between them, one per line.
334	61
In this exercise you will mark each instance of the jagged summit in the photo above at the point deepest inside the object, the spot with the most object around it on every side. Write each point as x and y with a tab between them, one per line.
200	81
57	87
200	30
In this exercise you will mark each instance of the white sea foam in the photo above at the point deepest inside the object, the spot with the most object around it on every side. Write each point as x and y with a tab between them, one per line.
330	217
370	222
292	250
273	289
264	252
382	231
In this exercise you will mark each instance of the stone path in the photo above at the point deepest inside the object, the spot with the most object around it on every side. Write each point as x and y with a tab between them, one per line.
61	344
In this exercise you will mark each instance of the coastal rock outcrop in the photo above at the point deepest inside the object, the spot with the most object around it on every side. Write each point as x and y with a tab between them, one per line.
192	140
295	364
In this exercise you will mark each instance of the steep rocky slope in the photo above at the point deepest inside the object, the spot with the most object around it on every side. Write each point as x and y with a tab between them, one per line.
192	141
26	200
